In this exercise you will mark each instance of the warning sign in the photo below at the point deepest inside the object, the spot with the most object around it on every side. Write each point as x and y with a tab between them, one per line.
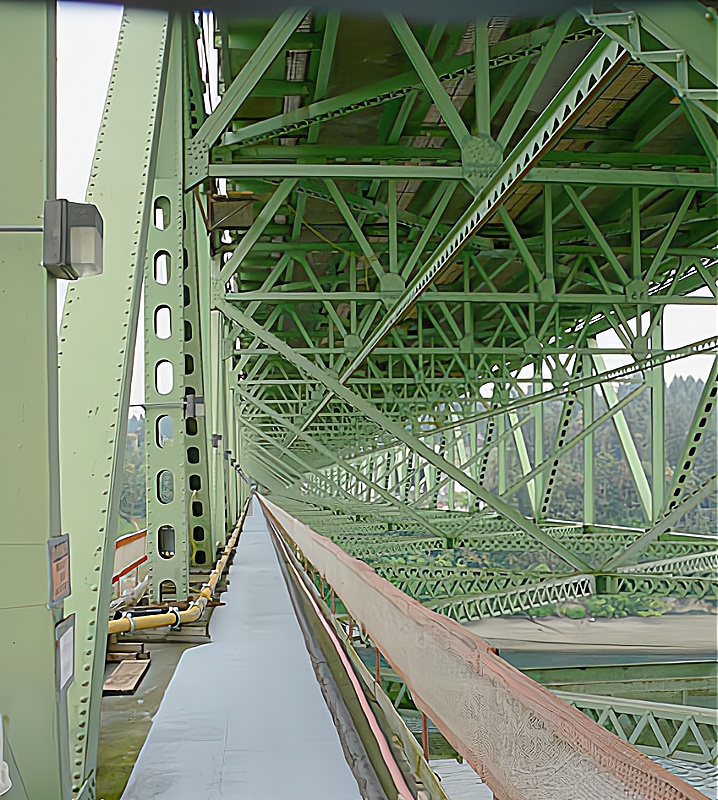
58	552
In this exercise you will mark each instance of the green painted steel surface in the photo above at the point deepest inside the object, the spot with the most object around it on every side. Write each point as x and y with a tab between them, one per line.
396	250
658	729
168	496
33	714
97	340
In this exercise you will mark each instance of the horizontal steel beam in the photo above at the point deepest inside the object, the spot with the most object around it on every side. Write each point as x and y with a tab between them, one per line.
338	171
623	177
382	152
530	298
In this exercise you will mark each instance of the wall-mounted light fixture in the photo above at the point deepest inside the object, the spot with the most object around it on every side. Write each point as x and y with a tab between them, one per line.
72	239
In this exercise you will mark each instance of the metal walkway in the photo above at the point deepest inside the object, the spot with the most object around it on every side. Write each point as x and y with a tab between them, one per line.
243	717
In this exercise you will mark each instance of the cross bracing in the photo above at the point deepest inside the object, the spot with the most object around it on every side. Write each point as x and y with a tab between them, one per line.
403	278
432	254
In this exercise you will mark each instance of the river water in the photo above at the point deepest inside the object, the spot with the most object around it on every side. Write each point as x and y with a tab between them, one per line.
460	782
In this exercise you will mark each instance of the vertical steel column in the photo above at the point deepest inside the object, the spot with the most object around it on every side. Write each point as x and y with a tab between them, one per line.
199	347
168	547
589	491
233	477
195	429
232	432
538	411
656	379
97	344
32	712
215	406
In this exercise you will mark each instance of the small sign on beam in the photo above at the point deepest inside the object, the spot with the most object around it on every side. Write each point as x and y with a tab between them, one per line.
58	557
65	652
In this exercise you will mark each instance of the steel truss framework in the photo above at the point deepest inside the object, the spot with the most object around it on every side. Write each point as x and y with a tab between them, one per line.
370	270
611	695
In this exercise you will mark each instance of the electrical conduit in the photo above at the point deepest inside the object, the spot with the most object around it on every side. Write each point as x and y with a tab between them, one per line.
174	618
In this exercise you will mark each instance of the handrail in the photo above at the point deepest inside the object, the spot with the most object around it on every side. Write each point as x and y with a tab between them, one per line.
498	719
394	770
174	618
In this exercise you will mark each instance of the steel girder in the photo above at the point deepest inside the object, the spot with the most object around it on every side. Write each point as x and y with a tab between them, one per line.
164	335
93	422
33	713
665	730
387	279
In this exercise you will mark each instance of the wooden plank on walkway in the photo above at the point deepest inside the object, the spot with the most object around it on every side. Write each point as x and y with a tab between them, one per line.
126	678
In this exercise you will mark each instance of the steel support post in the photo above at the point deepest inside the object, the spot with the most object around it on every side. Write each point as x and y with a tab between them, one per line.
223	378
233	433
627	444
33	714
168	547
538	414
215	407
657	381
206	362
97	343
589	493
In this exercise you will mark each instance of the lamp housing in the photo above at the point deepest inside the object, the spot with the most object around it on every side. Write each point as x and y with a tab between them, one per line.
72	239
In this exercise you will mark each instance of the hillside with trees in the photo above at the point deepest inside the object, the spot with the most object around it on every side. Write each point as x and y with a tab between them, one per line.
616	498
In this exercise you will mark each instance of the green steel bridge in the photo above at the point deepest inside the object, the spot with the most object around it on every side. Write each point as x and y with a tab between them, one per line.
394	276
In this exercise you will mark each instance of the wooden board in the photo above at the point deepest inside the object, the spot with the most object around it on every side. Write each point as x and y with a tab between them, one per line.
121	657
125	647
126	656
126	678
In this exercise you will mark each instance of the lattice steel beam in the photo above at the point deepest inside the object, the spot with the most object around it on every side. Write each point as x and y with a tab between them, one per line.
370	411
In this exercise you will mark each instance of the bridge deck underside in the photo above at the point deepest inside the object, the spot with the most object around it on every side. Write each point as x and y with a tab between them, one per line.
425	234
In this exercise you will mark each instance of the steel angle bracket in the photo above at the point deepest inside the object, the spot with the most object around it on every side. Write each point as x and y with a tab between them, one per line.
683	50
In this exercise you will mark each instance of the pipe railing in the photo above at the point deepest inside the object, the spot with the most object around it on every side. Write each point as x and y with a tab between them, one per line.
499	720
173	617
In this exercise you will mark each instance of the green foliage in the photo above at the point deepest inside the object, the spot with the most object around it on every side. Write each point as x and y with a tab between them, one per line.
611	606
605	606
132	499
542	611
575	612
616	498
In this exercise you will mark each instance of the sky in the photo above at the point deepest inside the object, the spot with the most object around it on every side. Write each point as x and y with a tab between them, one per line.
87	36
86	41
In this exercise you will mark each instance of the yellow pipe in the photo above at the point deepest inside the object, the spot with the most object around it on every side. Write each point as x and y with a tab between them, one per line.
128	623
